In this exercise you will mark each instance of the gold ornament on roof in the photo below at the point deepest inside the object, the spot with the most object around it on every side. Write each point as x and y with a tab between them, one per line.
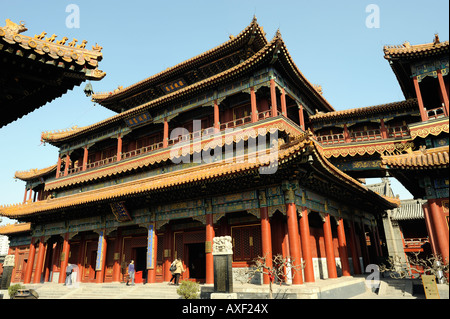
72	44
97	48
82	45
40	36
14	27
52	38
436	39
62	41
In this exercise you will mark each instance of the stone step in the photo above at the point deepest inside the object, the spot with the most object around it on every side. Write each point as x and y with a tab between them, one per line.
105	291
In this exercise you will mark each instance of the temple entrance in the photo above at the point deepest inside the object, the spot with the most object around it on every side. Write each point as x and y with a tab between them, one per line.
140	264
196	261
89	261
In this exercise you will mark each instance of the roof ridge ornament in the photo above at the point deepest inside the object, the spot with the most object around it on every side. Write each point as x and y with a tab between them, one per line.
14	27
436	39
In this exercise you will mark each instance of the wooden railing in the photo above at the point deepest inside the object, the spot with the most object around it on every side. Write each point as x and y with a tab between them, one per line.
142	150
170	142
236	123
369	135
360	136
436	113
415	243
331	139
398	131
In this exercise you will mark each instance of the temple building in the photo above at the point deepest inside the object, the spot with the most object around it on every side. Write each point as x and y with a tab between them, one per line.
234	141
407	140
39	69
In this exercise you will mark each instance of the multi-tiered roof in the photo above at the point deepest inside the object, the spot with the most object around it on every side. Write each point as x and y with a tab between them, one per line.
197	78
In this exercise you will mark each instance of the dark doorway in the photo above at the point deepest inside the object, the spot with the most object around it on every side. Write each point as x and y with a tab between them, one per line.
196	261
140	264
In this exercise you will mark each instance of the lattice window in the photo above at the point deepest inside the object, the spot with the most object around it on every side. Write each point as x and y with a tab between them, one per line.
160	249
246	242
179	245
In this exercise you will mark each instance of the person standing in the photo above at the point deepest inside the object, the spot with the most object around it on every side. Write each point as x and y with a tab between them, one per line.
172	269
69	270
178	271
131	273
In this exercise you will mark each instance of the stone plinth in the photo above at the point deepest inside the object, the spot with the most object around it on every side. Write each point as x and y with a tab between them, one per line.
223	272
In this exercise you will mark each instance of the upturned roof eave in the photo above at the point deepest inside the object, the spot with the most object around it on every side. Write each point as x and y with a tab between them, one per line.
244	36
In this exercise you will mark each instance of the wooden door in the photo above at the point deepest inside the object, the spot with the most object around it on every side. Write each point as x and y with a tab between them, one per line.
159	259
89	261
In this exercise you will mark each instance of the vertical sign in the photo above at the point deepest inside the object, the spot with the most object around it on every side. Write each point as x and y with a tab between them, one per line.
150	247
430	287
100	247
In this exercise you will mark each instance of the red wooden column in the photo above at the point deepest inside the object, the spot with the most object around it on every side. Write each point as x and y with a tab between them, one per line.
440	227
443	91
343	248
65	261
347	137
48	261
81	253
283	102
117	257
354	249
85	158
58	167
119	148
209	255
294	238
39	262
273	97
301	117
329	250
377	237
423	113
373	241
383	129
266	238
30	263
55	258
306	246
166	134
168	245
216	116
253	105
25	196
66	169
364	248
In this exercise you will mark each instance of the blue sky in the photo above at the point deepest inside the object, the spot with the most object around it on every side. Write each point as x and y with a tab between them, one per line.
328	40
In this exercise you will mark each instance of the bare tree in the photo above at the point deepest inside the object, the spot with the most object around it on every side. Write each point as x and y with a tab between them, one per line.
277	272
430	265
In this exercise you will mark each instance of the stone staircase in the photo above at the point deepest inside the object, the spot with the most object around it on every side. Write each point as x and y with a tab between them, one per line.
105	291
396	288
